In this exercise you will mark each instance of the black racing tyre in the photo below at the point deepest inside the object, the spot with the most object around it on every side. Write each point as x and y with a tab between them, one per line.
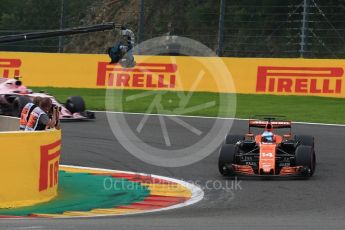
18	105
233	138
75	104
305	156
305	140
226	158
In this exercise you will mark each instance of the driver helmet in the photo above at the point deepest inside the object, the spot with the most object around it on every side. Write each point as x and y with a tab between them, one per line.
267	136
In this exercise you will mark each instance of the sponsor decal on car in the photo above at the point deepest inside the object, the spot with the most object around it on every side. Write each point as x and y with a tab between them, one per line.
303	80
144	75
272	122
10	67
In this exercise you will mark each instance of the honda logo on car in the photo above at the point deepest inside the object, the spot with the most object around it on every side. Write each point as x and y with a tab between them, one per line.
10	67
313	80
49	166
144	75
267	155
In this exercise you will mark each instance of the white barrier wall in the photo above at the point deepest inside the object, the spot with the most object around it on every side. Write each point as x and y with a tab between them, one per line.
9	123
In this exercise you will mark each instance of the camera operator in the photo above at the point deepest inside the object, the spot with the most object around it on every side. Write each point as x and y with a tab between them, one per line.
122	51
55	112
26	112
39	118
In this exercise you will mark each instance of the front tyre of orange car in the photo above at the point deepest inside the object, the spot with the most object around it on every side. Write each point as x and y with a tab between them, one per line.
305	157
234	138
226	159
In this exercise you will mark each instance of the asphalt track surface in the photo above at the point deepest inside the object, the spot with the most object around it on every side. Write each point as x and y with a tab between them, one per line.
318	203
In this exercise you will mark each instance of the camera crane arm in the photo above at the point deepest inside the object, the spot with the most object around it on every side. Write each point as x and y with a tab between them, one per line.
116	56
57	33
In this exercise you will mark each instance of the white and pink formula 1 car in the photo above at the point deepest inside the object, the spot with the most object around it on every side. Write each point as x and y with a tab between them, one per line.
14	96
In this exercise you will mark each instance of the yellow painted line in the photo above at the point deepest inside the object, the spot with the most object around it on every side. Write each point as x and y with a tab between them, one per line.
168	190
49	215
95	212
114	211
71	213
80	170
166	193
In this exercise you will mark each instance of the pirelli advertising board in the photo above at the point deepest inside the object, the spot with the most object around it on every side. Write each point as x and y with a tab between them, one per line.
312	77
29	167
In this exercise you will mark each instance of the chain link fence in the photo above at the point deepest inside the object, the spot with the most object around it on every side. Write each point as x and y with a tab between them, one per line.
235	28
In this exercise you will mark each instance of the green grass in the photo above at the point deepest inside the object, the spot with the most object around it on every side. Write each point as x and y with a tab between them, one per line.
296	108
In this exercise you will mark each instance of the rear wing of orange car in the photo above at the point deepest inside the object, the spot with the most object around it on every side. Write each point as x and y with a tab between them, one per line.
268	122
275	124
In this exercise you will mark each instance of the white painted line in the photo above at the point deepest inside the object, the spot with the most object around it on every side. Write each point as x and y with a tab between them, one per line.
197	195
30	227
219	118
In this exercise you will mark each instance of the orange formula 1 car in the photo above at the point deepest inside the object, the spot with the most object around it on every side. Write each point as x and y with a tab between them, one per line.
268	154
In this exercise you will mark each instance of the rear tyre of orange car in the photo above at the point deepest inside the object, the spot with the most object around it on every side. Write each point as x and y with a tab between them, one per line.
305	156
226	159
233	138
305	140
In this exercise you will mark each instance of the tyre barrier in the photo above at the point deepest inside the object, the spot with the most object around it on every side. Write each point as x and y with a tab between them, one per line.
29	164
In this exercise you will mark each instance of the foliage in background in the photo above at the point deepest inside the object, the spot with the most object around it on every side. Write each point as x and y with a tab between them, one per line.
24	16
